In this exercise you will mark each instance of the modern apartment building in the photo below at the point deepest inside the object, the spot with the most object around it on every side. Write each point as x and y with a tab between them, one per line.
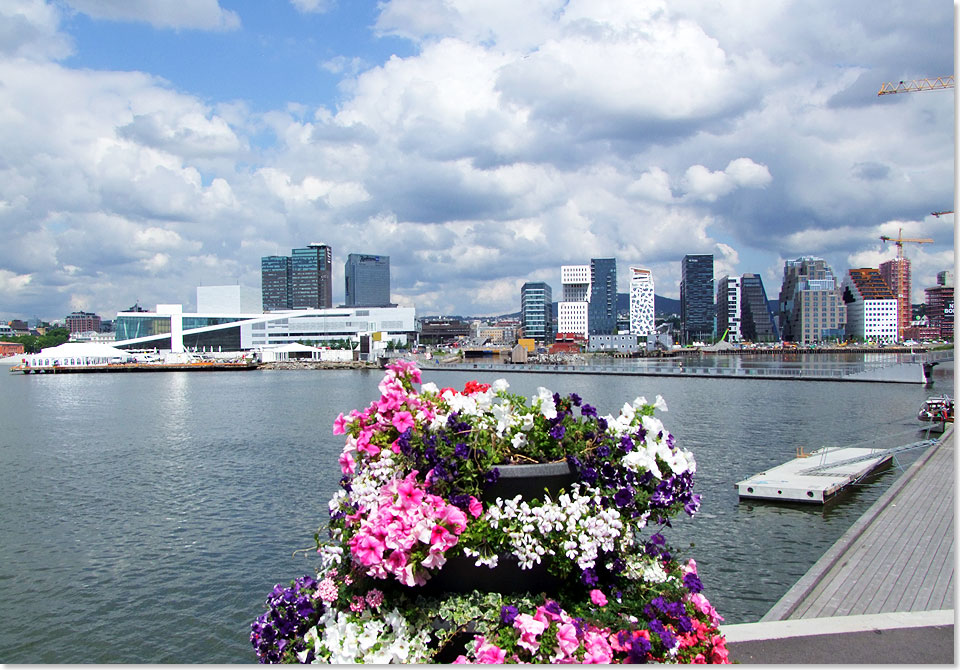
728	308
811	306
83	322
275	281
366	280
696	297
536	311
896	273
602	313
573	308
756	320
641	302
872	310
311	270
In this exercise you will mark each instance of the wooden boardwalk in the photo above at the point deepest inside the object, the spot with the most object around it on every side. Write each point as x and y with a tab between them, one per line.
898	557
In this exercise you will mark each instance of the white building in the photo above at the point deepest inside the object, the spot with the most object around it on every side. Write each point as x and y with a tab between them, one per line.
169	329
729	300
572	310
641	301
871	306
233	299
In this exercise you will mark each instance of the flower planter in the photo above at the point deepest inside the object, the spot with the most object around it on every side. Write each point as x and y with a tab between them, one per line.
530	481
460	574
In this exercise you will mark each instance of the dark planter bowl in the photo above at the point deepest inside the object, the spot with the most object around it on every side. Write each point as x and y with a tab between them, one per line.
460	575
530	481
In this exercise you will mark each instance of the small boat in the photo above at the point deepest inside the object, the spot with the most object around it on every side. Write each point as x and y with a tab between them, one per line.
938	408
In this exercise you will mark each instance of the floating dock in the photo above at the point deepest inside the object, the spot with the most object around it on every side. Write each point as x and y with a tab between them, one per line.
815	477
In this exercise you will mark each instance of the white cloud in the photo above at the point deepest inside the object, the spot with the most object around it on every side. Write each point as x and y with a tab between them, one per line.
195	14
702	184
30	29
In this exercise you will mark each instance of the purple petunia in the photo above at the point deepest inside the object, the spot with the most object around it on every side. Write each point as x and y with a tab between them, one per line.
508	613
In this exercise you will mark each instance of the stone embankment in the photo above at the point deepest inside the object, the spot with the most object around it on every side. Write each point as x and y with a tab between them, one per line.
319	365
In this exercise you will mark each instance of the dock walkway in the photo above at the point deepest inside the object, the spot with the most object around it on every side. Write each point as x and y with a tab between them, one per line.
895	563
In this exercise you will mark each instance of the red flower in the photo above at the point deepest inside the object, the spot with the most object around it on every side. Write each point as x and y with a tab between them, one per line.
474	386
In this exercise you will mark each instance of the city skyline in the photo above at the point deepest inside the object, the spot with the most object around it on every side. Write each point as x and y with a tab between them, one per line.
154	147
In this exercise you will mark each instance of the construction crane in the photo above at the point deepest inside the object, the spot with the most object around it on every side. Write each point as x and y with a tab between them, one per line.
904	312
913	85
939	214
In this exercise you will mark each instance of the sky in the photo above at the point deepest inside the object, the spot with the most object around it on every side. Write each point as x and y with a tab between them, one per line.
148	147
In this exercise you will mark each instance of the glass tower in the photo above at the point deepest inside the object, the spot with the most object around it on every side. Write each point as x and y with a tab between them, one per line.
275	280
696	297
536	311
602	313
366	281
311	284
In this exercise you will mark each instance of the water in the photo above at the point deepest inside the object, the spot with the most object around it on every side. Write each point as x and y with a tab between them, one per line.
145	517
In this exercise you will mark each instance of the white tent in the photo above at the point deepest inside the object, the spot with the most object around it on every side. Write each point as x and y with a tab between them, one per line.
78	354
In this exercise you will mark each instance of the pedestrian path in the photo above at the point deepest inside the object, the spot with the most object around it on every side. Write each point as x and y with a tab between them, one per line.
898	557
884	593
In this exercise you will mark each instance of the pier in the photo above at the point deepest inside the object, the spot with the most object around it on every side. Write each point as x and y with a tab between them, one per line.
884	593
916	369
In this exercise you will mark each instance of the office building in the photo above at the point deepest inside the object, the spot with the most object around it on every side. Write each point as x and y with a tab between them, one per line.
872	310
230	299
275	280
641	302
728	308
939	307
536	311
602	312
896	273
366	280
696	298
83	322
756	320
573	308
811	306
311	284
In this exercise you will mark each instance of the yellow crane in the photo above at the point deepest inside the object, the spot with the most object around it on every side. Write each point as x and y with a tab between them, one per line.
904	312
939	214
913	85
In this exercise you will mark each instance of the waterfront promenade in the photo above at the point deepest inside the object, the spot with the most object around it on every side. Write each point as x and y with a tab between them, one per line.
884	593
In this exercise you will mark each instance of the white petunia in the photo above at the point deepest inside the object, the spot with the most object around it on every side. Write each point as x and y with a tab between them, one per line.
429	387
544	401
660	404
499	385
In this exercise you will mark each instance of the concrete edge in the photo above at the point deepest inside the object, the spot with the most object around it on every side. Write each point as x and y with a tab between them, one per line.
775	630
806	584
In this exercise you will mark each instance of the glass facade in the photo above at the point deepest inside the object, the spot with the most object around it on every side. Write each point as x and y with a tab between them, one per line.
696	297
602	314
536	311
811	303
311	274
275	279
130	327
367	280
756	323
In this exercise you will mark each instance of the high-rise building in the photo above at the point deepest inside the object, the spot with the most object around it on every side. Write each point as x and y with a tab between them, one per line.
311	284
728	308
275	280
83	322
573	308
366	280
641	302
602	313
939	305
756	321
896	273
811	306
871	306
696	297
536	311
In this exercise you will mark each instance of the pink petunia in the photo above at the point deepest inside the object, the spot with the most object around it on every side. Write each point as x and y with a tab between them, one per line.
567	639
530	629
487	652
402	420
367	549
348	466
340	425
596	648
597	598
475	508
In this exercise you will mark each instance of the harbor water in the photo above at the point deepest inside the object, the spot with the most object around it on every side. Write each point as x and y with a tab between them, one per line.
145	517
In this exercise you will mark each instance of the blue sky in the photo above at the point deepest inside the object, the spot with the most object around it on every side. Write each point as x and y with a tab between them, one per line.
153	146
